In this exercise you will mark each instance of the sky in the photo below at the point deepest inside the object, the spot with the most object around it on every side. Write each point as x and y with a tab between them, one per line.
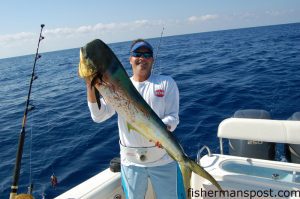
73	23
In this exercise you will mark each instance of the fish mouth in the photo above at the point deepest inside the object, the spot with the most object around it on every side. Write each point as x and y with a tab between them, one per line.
87	70
86	67
95	59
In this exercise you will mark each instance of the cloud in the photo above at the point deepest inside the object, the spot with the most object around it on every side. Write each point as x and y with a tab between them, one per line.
202	18
61	32
69	37
80	30
278	13
98	29
24	36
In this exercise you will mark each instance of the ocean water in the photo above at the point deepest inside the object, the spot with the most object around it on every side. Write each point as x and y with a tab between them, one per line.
217	73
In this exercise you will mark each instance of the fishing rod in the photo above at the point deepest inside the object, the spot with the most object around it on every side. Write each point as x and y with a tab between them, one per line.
155	57
28	107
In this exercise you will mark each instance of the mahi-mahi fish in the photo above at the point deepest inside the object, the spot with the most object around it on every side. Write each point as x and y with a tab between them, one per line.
98	61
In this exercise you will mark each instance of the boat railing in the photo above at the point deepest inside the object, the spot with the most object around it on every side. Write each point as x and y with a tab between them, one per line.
201	151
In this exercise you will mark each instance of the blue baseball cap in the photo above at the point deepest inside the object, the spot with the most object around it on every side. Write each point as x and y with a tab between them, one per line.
141	44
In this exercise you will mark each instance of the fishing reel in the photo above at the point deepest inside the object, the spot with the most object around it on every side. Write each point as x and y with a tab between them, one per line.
24	196
27	195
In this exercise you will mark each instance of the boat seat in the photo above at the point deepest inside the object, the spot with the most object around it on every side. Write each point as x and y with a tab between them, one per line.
279	131
252	148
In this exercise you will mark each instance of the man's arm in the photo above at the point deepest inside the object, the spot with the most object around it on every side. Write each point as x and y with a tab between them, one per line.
105	111
171	118
91	97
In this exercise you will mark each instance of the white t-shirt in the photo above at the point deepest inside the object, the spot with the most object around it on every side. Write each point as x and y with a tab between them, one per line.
161	93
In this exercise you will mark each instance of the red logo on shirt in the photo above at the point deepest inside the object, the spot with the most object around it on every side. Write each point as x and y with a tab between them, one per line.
160	93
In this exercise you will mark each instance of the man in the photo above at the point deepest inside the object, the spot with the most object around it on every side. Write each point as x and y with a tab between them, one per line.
141	158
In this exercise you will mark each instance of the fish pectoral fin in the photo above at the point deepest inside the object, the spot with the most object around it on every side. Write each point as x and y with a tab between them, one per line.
130	127
98	95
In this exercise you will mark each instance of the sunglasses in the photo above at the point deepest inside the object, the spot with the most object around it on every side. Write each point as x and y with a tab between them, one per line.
144	54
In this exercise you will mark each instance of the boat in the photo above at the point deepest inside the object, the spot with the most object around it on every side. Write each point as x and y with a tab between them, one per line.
243	173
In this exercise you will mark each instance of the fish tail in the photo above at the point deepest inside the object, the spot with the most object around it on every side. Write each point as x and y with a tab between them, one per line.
186	173
196	168
189	166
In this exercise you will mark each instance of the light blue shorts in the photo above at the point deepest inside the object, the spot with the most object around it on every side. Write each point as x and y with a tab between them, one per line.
166	181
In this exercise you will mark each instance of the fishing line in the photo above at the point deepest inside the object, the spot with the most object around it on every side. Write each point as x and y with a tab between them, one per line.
30	163
53	178
157	50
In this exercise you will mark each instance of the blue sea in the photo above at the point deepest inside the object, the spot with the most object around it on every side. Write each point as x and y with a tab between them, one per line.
217	74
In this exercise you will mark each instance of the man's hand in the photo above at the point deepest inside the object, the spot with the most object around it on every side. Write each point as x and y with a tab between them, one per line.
168	127
157	143
91	89
92	80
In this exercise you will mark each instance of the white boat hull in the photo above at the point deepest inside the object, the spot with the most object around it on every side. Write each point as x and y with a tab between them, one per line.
248	177
105	185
